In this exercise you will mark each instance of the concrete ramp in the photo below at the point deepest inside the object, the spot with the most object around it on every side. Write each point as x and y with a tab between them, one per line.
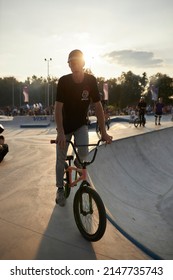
134	176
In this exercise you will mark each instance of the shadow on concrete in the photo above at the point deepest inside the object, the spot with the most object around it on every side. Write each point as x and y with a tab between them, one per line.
62	240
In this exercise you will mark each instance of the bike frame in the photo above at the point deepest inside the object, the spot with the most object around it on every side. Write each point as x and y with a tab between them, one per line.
82	172
81	177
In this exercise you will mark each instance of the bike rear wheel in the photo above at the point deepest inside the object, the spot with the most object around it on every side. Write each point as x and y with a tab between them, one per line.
89	213
66	179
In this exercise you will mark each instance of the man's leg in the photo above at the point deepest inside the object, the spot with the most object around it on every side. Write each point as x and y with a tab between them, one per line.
81	138
60	163
159	120
140	119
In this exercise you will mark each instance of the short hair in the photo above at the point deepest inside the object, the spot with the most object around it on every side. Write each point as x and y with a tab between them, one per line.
75	54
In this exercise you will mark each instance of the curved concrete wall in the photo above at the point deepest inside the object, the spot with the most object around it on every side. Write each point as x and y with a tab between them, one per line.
134	177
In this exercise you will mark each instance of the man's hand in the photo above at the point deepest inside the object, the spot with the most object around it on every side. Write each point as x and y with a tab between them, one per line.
106	138
61	140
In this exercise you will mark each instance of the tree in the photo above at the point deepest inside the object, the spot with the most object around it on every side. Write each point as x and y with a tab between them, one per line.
131	89
9	92
123	91
164	84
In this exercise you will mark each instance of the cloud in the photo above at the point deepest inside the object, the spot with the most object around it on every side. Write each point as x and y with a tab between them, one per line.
132	58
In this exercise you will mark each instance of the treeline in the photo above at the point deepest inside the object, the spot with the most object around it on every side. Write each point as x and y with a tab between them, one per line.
123	91
11	91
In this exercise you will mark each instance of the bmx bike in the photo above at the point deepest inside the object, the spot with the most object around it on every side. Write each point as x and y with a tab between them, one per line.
88	208
137	122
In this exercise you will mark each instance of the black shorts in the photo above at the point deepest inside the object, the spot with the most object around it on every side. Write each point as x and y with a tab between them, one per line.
158	114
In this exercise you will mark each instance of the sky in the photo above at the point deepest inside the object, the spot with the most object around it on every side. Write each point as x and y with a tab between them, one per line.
115	36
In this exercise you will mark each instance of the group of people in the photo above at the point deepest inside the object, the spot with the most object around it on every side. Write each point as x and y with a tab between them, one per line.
3	146
158	110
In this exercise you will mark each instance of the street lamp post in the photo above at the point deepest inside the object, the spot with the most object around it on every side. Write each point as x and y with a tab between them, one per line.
13	93
48	78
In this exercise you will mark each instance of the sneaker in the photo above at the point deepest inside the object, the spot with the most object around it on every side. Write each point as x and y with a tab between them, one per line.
60	197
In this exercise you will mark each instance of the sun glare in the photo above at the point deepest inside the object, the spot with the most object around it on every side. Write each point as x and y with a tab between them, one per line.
89	56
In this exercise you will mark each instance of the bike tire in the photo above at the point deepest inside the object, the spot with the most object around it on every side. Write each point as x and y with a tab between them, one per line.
92	222
144	121
66	179
136	122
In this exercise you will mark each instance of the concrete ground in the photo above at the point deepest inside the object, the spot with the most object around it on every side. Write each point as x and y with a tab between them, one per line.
136	189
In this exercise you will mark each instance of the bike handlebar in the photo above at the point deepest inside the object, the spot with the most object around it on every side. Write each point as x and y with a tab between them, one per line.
85	163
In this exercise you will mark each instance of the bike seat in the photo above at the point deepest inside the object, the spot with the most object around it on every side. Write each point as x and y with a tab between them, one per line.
70	157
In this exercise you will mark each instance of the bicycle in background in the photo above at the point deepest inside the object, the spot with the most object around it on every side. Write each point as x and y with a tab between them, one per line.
137	122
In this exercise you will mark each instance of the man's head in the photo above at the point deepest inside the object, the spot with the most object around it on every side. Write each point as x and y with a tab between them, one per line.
76	60
75	55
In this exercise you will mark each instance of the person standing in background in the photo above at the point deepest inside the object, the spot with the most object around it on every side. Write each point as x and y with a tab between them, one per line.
159	111
142	110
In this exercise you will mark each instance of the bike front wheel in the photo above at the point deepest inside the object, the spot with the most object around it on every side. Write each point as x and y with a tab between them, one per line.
136	122
89	213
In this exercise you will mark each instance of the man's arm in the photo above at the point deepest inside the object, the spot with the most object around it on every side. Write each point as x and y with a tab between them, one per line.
101	120
61	140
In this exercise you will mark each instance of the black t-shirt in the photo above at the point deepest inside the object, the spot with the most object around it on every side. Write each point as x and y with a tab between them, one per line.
142	107
76	98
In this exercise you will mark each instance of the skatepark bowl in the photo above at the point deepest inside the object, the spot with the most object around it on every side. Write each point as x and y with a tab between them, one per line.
134	176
